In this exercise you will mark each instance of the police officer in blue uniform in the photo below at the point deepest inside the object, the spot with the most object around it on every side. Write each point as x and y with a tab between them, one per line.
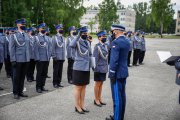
58	55
101	57
137	48
19	56
143	49
42	56
32	63
50	51
118	71
81	68
131	47
7	61
70	52
2	51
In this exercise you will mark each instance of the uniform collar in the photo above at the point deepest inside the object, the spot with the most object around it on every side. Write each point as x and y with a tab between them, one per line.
41	34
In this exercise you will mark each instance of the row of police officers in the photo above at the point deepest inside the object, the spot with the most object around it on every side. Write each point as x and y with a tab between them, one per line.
27	50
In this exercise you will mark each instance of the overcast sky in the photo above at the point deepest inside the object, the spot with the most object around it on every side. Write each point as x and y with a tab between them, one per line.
130	2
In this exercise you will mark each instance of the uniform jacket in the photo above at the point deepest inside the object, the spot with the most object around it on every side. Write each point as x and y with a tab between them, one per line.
58	47
70	50
7	38
19	47
2	49
177	66
143	44
42	48
130	42
82	54
50	45
137	42
32	42
101	57
118	59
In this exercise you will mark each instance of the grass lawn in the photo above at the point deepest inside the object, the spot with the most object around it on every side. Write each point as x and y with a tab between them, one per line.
164	37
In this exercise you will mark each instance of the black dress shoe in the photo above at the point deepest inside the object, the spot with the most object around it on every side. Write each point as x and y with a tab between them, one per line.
56	86
99	105
39	90
60	85
135	65
1	88
43	89
29	80
102	103
80	112
23	95
8	76
48	76
110	118
16	97
85	110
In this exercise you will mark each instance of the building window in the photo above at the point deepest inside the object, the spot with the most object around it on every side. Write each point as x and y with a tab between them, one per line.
178	23
178	30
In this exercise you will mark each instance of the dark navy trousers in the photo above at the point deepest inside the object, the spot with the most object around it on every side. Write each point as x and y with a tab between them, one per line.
118	90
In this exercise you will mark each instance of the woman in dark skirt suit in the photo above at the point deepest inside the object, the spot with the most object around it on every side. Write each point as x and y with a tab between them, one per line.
101	57
81	68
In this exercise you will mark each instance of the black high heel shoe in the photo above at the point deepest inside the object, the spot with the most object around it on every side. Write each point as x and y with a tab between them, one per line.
85	110
99	105
102	103
80	112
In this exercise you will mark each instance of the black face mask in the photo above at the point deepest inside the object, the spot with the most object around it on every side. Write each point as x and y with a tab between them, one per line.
22	27
74	33
61	31
103	40
7	33
129	35
113	36
84	37
43	31
137	34
33	33
47	34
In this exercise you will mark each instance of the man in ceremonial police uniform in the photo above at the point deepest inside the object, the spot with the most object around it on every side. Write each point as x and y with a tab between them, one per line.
42	56
32	63
137	48
19	56
58	55
70	53
118	71
2	51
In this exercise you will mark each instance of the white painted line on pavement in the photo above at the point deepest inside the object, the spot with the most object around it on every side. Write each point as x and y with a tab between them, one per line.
11	93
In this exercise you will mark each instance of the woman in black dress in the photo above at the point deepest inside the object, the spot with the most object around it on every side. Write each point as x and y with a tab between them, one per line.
101	57
81	68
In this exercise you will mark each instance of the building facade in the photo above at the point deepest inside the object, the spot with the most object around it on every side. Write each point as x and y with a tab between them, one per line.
178	23
126	18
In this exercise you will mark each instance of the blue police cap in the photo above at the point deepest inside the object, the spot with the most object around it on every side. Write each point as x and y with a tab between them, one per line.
21	21
83	29
101	33
129	32
42	25
29	29
59	26
117	27
72	28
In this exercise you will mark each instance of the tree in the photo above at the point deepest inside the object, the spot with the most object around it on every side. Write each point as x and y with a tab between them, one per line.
67	12
162	13
107	15
141	10
91	23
